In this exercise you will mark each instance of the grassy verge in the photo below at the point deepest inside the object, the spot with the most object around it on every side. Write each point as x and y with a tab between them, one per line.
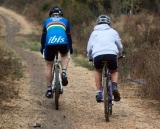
81	61
11	72
31	42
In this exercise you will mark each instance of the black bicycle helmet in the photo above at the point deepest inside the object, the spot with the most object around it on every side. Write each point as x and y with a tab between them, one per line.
61	13
55	9
103	19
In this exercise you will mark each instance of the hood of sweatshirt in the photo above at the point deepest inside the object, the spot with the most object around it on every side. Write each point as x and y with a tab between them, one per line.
102	27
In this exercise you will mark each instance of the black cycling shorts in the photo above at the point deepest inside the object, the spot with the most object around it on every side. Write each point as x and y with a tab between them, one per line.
111	59
50	51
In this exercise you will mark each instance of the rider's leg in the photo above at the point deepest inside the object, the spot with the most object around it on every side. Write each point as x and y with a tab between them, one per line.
98	78
114	76
48	72
114	79
64	61
64	64
48	75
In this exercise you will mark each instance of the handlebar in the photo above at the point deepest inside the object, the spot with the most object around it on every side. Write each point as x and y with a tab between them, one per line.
121	57
90	60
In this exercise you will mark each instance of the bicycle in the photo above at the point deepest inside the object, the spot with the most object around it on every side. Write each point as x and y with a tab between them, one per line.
107	90
57	87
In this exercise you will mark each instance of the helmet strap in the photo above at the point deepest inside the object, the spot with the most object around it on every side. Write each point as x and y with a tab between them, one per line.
55	15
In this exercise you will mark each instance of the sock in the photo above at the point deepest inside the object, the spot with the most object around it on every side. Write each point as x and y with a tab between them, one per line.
99	91
114	85
63	70
49	87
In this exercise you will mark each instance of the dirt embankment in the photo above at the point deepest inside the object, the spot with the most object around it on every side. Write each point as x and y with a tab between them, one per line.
78	108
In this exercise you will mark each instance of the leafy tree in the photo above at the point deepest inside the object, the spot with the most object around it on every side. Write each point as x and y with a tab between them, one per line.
116	7
132	5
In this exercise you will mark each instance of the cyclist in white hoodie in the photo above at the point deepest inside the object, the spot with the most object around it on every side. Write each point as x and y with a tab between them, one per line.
105	44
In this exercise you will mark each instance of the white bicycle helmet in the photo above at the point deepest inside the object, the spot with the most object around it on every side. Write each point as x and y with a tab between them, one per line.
103	19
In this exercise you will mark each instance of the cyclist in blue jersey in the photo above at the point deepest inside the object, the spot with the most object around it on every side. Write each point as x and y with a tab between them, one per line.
56	36
105	44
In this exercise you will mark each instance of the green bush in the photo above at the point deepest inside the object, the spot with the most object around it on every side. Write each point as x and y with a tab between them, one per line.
9	64
46	6
80	61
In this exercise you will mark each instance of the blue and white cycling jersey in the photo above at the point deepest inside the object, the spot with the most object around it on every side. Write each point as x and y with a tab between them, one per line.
56	31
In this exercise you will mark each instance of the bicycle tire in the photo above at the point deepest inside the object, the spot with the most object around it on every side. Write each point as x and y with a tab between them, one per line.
106	100
110	112
110	99
57	88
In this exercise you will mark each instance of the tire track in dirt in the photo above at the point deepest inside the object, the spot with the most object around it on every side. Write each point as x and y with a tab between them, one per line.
78	108
32	104
33	89
23	25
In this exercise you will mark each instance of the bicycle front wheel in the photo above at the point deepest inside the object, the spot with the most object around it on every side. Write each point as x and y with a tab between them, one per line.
57	89
106	100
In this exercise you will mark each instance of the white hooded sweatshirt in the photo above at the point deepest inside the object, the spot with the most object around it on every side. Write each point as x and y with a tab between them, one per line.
104	40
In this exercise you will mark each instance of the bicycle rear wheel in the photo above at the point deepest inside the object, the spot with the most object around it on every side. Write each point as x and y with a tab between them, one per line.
57	89
110	102
106	100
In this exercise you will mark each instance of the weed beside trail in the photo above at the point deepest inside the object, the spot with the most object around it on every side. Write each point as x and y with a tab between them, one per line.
84	62
31	42
11	71
141	39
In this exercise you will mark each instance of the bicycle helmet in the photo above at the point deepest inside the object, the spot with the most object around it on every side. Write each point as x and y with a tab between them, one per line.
103	19
54	10
61	13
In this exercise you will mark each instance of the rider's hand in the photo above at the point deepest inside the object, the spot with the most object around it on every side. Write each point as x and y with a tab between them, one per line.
119	55
90	60
71	50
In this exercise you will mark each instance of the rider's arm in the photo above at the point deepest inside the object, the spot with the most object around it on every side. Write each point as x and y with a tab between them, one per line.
70	41
69	37
118	43
89	48
43	37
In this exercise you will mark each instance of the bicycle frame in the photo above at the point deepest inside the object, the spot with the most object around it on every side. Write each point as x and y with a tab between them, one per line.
56	81
107	90
56	65
57	87
107	75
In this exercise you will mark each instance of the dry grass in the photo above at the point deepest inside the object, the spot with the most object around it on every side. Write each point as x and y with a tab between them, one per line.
10	73
141	45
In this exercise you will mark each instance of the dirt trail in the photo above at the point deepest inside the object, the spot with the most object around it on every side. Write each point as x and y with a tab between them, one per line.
78	108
